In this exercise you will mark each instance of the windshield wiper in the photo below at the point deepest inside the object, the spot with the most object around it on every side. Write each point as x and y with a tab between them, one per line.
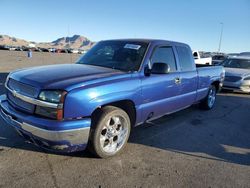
113	68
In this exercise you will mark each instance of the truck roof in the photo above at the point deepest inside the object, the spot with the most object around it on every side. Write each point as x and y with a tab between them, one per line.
155	41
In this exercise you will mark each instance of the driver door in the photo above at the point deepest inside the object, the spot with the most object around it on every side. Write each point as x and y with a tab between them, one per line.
160	91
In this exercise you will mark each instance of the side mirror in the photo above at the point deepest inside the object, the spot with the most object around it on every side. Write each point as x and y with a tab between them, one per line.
147	71
160	68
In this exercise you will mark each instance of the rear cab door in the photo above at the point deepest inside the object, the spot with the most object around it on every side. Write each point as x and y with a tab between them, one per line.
188	75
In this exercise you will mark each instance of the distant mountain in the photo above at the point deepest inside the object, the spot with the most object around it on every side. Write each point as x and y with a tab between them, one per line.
76	42
12	41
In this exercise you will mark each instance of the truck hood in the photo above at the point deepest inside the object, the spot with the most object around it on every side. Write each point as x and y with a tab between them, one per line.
64	76
237	72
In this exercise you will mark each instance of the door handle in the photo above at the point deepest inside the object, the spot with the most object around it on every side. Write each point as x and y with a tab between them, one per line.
177	80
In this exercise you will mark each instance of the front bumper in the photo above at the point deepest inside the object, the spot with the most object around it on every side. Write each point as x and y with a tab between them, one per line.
64	136
241	86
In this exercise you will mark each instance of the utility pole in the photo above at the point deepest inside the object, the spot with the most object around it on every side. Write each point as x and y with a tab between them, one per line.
221	33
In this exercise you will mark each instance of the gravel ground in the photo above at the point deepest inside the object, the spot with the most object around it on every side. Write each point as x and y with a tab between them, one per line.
191	148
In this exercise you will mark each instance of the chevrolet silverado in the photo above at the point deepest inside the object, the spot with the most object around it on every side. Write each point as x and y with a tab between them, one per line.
116	85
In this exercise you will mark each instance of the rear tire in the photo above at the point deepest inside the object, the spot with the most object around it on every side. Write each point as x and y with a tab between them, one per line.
208	102
110	132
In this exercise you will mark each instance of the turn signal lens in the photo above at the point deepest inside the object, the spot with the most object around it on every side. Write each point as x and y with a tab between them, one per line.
60	111
59	115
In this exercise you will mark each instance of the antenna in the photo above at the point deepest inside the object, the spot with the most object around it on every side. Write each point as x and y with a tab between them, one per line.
222	25
69	44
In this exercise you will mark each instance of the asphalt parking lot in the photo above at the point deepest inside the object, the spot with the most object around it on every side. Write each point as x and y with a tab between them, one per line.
191	148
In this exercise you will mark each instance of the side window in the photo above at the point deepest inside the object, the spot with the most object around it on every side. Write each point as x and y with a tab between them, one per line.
164	55
195	54
185	58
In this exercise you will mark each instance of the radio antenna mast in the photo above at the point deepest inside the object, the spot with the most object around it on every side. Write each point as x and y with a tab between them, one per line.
69	44
221	33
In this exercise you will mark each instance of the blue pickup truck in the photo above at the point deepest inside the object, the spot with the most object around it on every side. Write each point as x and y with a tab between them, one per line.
116	85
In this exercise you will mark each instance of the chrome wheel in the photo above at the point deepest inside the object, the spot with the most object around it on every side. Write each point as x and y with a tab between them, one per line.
110	131
211	97
113	134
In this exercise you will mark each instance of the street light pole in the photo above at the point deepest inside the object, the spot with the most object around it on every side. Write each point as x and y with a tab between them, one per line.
222	25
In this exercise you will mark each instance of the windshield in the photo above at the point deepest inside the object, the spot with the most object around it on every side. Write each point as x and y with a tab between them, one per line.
218	57
121	55
237	63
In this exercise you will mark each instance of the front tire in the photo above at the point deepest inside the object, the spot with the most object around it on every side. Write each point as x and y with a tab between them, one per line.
208	102
110	132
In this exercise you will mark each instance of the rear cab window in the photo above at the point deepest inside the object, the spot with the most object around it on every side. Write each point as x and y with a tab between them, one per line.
195	54
186	60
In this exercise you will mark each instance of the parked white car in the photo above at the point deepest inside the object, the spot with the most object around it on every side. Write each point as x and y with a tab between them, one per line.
199	58
74	51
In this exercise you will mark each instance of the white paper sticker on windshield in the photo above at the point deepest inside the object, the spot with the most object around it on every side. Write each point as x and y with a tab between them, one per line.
132	46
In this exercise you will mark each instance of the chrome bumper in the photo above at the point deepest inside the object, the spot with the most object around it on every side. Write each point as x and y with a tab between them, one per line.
242	86
60	139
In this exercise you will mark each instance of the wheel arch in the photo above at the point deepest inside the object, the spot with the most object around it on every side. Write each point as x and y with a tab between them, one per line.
217	85
127	105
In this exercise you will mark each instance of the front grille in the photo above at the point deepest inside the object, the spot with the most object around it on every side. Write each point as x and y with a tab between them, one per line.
232	78
20	104
23	89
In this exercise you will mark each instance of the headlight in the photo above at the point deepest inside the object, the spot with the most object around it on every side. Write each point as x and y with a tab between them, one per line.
247	78
51	96
56	97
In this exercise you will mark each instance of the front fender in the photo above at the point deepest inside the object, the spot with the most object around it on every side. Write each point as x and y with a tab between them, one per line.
83	101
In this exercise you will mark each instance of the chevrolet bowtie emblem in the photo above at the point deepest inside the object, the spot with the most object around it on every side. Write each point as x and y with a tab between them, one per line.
14	93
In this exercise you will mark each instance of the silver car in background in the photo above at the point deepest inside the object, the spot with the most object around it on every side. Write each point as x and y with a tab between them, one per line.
237	77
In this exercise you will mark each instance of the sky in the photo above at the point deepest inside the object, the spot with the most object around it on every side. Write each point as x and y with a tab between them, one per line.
196	22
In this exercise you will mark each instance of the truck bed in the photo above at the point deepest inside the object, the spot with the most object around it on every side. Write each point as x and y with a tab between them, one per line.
207	74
